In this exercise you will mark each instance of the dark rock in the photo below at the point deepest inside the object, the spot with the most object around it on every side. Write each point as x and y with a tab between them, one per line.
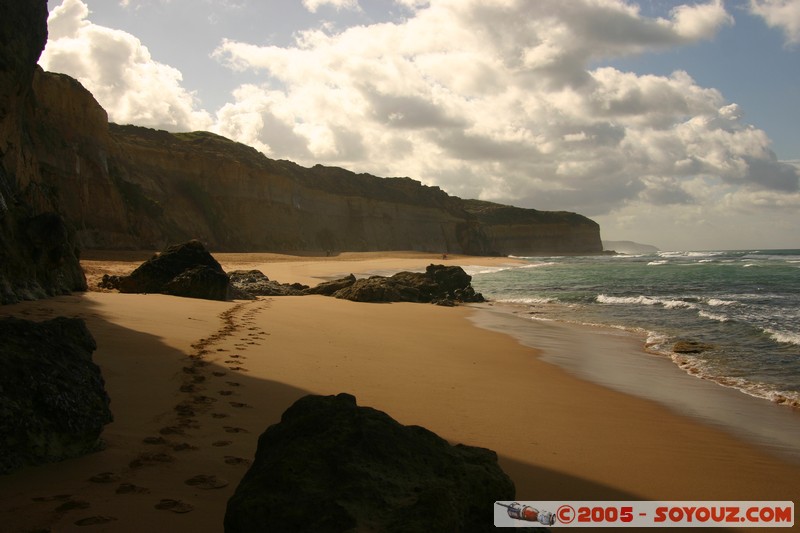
332	466
377	289
53	403
328	288
247	284
182	270
200	282
38	249
110	282
443	285
685	347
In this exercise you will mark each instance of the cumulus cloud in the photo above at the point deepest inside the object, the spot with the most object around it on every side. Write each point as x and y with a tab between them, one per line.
314	5
498	100
119	71
781	14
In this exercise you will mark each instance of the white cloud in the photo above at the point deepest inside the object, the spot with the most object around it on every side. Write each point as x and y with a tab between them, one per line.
497	100
700	21
782	14
314	5
119	71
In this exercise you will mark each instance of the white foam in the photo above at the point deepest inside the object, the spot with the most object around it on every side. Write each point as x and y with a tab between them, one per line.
718	302
784	337
529	301
641	300
712	316
678	304
656	263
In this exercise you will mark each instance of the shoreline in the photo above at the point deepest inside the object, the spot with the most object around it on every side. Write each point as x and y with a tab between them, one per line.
626	366
557	435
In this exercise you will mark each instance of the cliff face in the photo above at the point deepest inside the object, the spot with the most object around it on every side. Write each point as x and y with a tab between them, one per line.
38	251
127	187
132	187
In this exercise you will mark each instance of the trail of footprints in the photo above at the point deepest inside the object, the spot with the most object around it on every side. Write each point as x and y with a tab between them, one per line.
205	393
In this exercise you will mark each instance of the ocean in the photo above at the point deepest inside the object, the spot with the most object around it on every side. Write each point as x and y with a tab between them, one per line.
741	308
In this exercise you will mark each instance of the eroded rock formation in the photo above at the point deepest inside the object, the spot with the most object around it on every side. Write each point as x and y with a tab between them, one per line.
333	466
53	403
38	249
186	269
439	284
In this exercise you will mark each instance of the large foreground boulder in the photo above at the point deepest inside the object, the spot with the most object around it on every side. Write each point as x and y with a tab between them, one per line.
186	269
53	403
440	284
332	466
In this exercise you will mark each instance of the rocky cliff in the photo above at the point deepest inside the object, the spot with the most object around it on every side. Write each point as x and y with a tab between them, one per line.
127	187
133	187
38	250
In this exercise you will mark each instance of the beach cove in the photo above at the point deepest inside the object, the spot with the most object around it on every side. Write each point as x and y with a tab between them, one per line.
557	436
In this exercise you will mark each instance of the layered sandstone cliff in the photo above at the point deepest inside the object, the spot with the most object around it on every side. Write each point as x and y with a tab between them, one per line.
133	187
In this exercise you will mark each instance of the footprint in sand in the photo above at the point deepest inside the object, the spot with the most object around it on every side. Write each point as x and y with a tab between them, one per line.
56	498
148	458
203	481
219	374
130	488
176	506
184	447
221	350
154	440
239	405
188	387
198	379
203	399
236	461
172	430
105	477
71	505
189	423
219	415
233	383
237	368
231	429
237	356
94	520
225	392
184	410
221	443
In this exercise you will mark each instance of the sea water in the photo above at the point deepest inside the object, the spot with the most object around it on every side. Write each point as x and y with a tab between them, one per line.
742	308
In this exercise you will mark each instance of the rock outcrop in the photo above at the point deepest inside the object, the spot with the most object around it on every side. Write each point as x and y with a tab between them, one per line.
53	403
439	284
187	270
332	466
38	249
247	284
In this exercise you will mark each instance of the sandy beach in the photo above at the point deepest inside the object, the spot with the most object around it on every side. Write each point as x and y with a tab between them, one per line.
193	383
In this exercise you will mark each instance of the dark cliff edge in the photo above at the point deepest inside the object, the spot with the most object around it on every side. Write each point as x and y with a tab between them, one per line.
38	249
133	187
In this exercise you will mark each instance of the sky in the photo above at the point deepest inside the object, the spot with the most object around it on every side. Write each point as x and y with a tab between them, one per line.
672	123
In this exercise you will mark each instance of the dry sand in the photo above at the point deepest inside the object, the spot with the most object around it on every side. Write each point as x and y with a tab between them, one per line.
237	366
